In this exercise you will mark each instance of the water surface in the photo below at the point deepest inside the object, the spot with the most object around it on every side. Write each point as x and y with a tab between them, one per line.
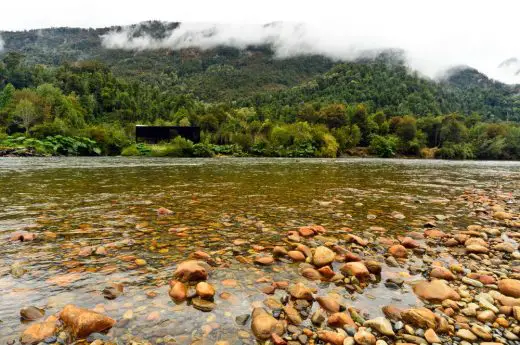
111	202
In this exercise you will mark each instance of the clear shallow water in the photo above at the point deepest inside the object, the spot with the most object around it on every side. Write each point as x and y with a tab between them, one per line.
111	202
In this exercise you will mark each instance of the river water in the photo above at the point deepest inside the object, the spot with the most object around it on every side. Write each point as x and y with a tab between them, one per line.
221	206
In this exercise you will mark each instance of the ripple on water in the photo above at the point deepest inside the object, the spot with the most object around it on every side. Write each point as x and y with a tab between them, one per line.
111	202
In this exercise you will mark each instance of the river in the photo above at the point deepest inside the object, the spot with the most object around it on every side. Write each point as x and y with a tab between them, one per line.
225	207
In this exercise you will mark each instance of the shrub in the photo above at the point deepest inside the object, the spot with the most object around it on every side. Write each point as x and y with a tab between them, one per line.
455	151
383	146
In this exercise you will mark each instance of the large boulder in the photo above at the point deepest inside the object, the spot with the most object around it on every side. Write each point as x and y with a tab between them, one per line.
264	324
83	322
191	270
323	256
37	332
509	287
435	291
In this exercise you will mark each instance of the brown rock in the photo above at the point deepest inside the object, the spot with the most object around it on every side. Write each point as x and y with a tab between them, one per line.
304	249
296	255
323	256
340	320
161	211
178	292
410	243
477	249
329	304
501	215
419	317
331	337
22	236
363	337
311	273
306	231
279	251
264	260
277	340
292	315
264	324
191	270
205	290
37	332
300	291
509	287
357	269
392	312
398	251
374	267
431	336
356	239
327	272
435	291
200	255
83	322
442	273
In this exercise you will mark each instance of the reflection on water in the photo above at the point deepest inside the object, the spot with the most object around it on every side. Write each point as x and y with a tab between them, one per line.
110	202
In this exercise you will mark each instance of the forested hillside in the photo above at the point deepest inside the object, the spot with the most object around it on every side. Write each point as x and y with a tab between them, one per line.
62	92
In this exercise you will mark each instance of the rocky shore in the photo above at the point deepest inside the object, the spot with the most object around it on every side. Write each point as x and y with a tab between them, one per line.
466	280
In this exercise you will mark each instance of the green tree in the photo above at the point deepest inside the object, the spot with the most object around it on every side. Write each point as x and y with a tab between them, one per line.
25	113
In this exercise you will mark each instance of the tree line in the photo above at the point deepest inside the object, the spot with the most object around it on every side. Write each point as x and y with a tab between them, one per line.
375	105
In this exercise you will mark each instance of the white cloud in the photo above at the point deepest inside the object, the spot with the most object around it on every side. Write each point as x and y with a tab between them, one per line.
434	33
429	53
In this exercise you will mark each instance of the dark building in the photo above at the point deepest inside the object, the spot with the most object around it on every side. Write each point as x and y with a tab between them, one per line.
156	134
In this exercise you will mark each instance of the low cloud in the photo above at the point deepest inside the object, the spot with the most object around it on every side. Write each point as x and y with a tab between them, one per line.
2	43
429	51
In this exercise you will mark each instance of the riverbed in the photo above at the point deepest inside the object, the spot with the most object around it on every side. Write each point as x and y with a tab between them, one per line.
231	208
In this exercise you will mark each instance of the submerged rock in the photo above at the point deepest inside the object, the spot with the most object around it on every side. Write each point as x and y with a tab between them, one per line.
37	332
31	313
202	304
83	322
191	270
178	292
264	324
113	291
300	291
357	269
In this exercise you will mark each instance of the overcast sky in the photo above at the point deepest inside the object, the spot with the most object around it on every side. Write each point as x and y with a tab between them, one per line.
435	33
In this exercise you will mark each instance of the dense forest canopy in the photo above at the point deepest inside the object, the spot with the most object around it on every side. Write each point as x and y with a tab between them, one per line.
61	88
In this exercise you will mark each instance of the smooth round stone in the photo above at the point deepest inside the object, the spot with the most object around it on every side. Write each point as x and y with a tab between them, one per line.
419	332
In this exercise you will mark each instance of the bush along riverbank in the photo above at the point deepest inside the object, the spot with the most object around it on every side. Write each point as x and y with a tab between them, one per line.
465	278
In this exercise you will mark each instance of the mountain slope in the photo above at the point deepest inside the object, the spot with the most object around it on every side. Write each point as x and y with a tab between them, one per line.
253	76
